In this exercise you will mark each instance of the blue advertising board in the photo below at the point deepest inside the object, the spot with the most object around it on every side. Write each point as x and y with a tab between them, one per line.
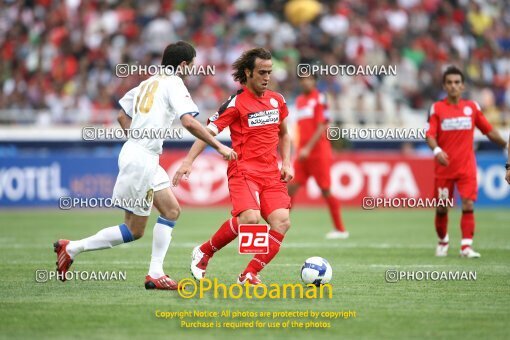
28	181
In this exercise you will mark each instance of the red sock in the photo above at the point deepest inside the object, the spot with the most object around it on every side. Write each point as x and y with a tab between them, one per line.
441	223
334	210
261	260
467	225
226	234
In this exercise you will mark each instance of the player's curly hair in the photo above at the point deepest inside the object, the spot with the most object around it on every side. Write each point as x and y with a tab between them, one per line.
247	61
453	70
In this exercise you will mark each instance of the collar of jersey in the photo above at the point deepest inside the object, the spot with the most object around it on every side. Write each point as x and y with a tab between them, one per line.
247	90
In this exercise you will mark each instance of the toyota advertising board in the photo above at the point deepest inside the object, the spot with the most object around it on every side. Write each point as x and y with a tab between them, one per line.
40	181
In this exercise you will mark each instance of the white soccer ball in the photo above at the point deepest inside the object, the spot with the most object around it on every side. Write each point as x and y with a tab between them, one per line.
317	271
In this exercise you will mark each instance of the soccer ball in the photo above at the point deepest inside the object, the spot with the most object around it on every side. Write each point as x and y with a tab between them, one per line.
317	271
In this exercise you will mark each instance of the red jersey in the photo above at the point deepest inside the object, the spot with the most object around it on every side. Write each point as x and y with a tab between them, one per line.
254	126
312	111
453	127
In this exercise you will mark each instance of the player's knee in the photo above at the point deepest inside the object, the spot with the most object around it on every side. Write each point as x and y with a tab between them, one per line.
441	210
468	205
172	213
249	217
282	226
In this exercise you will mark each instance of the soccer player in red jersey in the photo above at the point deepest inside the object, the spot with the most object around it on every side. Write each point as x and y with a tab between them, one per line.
257	120
452	122
314	155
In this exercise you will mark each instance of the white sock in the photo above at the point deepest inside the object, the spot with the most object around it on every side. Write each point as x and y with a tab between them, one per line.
105	238
161	237
466	242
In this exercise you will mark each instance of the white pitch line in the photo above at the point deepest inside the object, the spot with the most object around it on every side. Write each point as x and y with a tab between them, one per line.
325	245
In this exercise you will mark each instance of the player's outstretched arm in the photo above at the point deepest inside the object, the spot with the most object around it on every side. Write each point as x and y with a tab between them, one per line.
495	137
185	168
197	130
441	156
284	144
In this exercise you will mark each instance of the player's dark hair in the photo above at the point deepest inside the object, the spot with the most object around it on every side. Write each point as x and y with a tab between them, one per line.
178	52
453	70
247	61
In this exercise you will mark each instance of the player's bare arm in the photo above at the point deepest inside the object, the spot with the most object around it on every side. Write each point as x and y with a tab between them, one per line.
197	130
495	137
440	155
124	121
185	169
284	144
307	149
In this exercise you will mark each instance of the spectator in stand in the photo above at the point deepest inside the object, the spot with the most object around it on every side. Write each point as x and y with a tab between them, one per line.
56	55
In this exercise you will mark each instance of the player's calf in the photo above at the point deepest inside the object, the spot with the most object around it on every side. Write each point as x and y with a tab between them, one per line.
201	254
136	225
279	221
441	225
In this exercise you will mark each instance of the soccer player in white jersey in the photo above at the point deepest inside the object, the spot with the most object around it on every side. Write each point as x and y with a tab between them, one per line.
141	181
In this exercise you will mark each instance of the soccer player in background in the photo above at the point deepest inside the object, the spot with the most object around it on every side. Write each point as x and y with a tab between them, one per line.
151	105
314	154
257	118
452	122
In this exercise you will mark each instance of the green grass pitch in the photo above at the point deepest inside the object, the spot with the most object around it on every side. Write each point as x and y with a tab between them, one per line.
380	240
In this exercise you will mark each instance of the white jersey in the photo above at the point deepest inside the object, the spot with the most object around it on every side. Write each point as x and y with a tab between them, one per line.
153	105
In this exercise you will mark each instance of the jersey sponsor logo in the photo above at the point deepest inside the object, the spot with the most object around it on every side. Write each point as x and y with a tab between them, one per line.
263	118
273	102
458	123
468	111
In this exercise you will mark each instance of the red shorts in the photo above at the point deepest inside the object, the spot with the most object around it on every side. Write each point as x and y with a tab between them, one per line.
467	187
319	168
263	193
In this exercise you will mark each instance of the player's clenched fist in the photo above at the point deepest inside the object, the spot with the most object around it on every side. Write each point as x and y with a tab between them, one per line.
287	173
442	158
227	153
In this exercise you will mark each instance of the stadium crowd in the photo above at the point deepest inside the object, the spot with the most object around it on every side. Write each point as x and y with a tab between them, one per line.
59	57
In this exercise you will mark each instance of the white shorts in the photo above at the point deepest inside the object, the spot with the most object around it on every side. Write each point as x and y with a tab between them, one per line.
139	177
161	179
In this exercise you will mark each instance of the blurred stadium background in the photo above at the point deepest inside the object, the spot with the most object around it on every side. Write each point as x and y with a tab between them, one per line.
57	75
